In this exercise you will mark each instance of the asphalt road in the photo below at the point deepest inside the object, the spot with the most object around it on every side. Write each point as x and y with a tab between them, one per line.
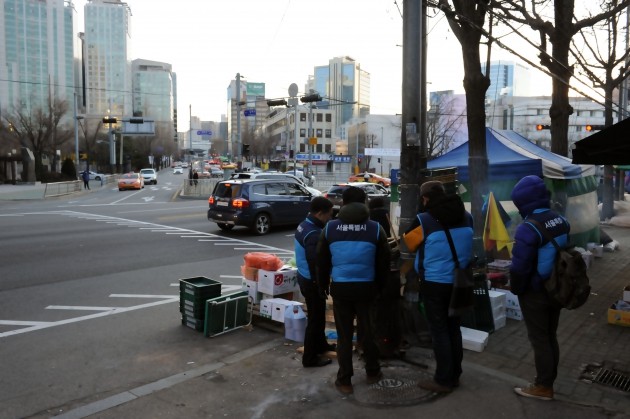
89	291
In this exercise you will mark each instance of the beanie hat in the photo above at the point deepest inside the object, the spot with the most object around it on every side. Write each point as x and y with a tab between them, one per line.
432	188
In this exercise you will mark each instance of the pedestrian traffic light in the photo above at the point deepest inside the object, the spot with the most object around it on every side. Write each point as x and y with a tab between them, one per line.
276	102
110	120
541	127
315	97
245	149
590	128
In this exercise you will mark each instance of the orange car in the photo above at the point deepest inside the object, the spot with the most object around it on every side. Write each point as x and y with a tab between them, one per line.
130	181
372	178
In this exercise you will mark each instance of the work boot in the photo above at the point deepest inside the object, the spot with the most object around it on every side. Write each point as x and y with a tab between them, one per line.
431	385
535	391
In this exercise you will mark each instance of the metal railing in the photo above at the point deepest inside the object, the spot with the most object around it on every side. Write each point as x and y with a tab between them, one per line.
62	188
199	188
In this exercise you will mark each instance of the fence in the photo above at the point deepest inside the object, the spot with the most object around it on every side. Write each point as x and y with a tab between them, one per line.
62	188
199	188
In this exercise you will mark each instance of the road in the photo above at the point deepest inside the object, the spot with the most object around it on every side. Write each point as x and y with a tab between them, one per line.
89	290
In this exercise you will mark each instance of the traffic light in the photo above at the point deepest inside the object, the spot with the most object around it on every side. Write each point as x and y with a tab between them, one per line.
314	97
276	102
541	127
590	128
110	120
245	149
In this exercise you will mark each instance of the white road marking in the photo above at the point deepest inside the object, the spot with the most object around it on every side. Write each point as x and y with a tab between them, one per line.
86	308
148	198
20	323
141	296
128	196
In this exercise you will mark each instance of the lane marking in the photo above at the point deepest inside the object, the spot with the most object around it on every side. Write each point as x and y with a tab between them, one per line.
85	308
128	196
141	296
21	323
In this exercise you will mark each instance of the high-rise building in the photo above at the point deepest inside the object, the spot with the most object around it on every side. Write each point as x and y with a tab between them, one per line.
507	78
342	81
37	44
253	111
106	58
153	90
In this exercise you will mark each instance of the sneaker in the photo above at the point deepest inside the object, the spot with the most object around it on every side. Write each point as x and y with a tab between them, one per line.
373	379
345	389
535	391
431	385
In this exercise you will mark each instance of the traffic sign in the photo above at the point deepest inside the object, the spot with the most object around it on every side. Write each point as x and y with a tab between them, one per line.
249	112
204	132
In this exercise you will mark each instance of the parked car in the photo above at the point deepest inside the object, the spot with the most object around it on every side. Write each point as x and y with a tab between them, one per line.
149	175
275	175
259	204
130	181
216	173
372	190
94	175
371	178
178	171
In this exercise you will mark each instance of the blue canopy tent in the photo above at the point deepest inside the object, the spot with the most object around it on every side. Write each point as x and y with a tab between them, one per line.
512	156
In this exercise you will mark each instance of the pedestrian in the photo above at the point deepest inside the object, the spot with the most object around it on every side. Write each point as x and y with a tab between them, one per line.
366	177
306	238
190	176
353	258
195	177
85	175
532	262
435	267
380	213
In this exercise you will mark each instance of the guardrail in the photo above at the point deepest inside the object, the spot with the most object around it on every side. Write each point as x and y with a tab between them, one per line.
62	188
199	188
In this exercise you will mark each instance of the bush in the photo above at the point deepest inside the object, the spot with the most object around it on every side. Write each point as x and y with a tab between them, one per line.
68	169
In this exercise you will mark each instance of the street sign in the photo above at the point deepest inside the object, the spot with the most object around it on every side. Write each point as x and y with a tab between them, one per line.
249	112
312	141
204	132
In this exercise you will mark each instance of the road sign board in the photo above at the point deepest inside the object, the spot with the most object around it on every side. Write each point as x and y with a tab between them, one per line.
249	112
204	132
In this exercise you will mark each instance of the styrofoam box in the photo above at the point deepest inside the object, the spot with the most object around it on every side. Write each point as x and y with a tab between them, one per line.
511	300
278	307
252	290
474	340
514	313
497	299
498	311
499	322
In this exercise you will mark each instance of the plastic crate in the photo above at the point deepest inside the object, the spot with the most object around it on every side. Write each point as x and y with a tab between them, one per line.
193	323
226	313
200	286
480	318
193	311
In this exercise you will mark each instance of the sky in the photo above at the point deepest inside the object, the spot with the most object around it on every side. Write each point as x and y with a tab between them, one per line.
279	42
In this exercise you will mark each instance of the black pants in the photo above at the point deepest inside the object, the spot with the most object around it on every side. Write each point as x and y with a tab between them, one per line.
86	184
445	332
541	318
345	311
315	341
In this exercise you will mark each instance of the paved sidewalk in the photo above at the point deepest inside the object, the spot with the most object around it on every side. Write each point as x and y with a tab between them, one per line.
266	380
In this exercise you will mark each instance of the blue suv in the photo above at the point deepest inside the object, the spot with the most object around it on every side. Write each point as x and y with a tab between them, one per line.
258	204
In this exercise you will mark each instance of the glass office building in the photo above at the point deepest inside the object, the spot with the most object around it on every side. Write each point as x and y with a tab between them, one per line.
37	44
153	90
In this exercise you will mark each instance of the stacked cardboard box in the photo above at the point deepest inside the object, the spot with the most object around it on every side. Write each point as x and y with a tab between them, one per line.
619	312
512	305
498	302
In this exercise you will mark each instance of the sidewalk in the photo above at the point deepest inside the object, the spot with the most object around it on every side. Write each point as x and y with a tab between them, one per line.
266	380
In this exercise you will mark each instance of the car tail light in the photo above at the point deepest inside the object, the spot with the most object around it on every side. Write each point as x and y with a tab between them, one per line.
240	203
211	200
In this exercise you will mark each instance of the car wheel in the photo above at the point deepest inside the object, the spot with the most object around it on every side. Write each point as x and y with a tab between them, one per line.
262	224
155	182
381	183
97	178
120	189
225	227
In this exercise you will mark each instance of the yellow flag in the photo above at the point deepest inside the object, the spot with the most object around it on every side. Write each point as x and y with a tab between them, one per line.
494	232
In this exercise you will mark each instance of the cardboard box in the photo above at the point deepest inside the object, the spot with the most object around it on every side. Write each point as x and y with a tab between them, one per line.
511	300
474	340
266	308
278	282
618	317
278	307
626	293
498	311
497	299
252	290
514	313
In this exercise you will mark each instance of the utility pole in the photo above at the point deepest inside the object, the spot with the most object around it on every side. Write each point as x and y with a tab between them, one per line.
237	153
76	134
310	98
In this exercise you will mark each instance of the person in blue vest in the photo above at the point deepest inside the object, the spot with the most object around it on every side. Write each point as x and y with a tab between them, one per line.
306	238
532	262
353	259
435	267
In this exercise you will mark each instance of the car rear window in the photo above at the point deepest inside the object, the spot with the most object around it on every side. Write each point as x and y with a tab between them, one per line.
338	190
227	190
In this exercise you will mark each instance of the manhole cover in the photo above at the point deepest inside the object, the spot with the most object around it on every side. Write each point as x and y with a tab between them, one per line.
399	387
596	373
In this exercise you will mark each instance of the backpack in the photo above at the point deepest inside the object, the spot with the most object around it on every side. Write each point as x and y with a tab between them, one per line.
568	286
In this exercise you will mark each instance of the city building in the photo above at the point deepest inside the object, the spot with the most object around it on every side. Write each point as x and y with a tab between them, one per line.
37	47
507	78
344	87
107	66
253	110
153	90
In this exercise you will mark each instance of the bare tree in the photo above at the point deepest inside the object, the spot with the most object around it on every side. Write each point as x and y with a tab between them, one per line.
91	129
466	19
559	34
443	123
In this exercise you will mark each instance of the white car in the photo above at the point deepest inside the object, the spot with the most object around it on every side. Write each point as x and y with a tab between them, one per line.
178	170
149	175
272	175
94	175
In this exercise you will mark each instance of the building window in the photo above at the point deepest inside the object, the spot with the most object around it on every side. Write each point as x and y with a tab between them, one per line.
318	133
302	132
327	148
302	148
302	116
328	117
328	133
318	148
319	117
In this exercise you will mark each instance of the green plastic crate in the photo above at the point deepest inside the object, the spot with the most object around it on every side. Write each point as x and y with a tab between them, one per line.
226	313
197	324
200	286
